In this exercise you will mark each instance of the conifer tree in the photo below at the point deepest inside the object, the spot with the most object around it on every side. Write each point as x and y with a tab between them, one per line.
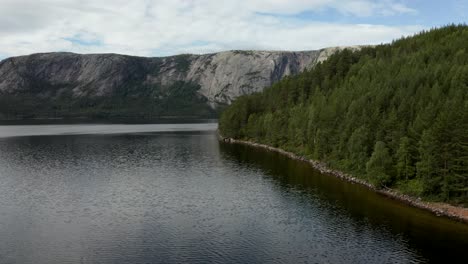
379	163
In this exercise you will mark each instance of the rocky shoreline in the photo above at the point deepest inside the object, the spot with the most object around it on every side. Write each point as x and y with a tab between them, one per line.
439	209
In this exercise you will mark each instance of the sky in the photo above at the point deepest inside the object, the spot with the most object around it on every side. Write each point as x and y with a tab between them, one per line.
168	27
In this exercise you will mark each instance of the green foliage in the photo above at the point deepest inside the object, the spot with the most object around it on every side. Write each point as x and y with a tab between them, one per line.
412	187
379	164
182	62
243	52
134	100
395	114
427	164
404	167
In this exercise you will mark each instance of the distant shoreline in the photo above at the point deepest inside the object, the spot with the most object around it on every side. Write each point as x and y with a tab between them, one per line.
439	209
107	118
85	120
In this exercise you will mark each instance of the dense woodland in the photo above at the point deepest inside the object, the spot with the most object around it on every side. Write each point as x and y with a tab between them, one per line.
395	114
181	99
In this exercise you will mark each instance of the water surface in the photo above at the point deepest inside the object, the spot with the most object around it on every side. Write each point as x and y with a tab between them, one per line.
173	194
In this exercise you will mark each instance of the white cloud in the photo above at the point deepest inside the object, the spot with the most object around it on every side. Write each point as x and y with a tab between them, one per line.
364	8
163	27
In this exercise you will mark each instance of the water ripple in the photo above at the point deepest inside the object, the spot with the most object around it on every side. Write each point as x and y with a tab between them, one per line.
180	198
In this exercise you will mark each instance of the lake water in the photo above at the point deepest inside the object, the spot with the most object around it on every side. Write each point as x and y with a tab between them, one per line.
171	193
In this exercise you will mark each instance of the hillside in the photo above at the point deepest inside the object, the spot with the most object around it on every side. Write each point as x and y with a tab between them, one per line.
112	85
395	115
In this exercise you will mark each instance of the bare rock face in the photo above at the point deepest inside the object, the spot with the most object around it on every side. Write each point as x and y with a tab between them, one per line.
227	75
85	75
221	77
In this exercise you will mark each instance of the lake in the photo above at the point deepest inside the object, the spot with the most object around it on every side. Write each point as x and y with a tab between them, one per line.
171	193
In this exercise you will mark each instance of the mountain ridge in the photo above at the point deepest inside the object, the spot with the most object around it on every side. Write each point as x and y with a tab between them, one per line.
213	79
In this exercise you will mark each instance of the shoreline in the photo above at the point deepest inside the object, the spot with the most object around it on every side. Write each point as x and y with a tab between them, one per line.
459	214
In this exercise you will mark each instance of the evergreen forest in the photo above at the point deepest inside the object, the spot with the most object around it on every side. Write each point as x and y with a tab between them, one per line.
395	114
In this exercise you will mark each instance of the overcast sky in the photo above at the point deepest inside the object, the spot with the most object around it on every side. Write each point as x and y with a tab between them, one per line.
167	27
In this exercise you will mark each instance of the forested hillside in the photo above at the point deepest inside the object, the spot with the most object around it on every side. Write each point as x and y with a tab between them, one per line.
395	114
68	85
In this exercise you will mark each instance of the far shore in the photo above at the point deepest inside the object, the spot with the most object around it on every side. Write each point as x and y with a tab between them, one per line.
440	209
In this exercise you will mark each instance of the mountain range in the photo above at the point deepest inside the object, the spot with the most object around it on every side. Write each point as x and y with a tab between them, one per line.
51	85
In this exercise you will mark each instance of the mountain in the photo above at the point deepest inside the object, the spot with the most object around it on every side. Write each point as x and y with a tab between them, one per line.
395	115
112	85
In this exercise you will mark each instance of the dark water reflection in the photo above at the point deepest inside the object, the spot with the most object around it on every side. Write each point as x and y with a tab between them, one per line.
181	197
363	214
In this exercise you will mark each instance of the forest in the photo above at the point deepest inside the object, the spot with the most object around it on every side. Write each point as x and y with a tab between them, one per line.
394	114
133	101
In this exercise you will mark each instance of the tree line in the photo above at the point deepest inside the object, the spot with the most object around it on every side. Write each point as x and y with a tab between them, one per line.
181	99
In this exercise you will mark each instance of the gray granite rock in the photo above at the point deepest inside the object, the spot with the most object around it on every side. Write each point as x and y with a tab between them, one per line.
222	76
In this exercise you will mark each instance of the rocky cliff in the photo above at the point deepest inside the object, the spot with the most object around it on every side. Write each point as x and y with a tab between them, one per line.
69	82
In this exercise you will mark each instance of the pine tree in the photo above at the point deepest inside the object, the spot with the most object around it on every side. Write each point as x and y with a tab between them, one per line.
404	166
379	163
426	166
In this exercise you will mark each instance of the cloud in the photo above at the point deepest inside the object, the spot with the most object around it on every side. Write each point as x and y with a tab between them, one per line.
363	8
165	27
